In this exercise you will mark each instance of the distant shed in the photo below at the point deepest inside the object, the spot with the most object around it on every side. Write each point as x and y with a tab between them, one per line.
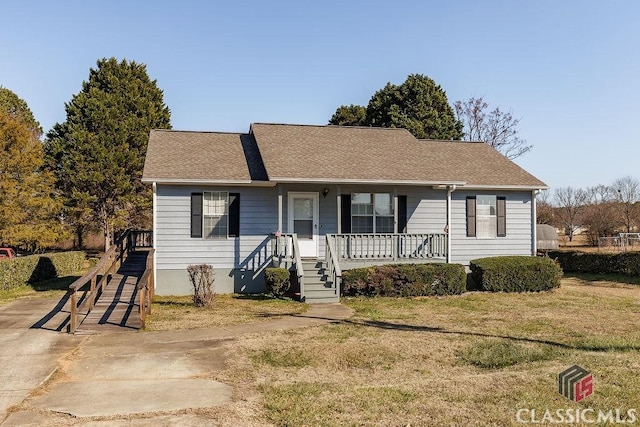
547	237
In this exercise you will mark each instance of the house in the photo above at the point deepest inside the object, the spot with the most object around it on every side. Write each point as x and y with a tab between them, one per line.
321	199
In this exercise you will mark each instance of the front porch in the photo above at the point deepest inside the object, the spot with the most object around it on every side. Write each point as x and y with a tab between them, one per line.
319	279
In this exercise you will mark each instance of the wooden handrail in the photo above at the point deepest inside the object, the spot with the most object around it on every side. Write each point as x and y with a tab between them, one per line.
146	289
333	265
106	266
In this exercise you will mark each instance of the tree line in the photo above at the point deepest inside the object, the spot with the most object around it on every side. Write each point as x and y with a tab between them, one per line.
85	174
599	211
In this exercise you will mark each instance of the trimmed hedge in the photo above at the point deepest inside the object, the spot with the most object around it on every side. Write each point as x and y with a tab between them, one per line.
627	263
278	281
515	274
34	268
405	280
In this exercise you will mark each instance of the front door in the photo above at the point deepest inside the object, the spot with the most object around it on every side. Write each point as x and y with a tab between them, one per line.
303	220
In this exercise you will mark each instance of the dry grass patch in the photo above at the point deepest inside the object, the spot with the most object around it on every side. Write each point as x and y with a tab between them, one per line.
179	312
473	359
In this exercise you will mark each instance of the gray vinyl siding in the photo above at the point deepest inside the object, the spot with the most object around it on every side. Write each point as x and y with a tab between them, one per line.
176	249
241	260
518	240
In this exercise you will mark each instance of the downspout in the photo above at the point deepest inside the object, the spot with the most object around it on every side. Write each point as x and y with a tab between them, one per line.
534	222
450	190
155	238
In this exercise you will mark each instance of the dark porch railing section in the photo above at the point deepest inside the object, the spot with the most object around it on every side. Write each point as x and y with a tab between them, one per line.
390	246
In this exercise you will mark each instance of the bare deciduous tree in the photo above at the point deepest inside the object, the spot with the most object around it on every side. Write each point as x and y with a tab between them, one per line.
570	203
544	209
599	214
626	191
495	127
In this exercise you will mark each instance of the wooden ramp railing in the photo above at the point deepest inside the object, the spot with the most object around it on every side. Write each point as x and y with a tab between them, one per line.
84	292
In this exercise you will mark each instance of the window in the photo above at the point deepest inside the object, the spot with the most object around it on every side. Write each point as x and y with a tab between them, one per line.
486	216
486	223
215	214
372	213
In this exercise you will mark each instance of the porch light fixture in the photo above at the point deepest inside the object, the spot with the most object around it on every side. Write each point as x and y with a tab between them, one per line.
325	191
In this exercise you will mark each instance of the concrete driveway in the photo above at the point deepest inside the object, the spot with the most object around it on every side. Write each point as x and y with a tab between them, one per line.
113	376
30	347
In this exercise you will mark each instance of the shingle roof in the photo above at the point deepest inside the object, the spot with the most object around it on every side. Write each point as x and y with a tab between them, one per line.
340	153
196	156
280	152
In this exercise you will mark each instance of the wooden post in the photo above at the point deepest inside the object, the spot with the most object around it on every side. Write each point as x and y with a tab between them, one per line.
73	320
92	292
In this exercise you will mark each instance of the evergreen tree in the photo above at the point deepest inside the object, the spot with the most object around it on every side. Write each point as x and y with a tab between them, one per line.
418	105
97	154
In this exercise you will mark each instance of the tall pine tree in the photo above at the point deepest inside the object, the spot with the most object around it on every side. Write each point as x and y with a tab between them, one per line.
97	154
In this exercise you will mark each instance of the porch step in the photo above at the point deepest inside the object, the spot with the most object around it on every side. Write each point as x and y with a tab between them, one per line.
316	288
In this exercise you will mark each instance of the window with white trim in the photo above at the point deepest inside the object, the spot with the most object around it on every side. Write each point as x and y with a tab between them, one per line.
215	214
486	219
372	213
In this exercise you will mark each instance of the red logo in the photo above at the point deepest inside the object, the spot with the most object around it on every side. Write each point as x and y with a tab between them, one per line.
575	383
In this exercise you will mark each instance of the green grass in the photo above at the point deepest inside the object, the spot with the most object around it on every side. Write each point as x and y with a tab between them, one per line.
496	353
179	312
52	288
473	359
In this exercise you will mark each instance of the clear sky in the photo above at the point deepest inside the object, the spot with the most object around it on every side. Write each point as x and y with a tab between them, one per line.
570	70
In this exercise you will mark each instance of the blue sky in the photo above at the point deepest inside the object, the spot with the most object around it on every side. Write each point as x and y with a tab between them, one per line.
569	69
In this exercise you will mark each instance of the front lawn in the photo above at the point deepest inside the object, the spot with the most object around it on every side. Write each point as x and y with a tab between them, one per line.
473	359
178	312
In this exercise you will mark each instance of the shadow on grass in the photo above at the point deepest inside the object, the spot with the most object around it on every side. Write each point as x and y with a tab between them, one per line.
261	297
57	284
439	330
590	277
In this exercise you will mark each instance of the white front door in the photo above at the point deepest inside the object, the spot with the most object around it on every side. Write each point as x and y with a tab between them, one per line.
303	220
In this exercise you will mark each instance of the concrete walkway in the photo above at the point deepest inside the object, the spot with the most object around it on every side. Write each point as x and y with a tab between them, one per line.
120	374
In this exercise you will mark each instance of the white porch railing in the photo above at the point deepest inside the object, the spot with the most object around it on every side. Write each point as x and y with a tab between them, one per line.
333	271
390	246
286	253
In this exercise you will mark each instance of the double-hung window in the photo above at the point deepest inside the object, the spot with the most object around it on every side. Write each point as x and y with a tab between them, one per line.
372	213
486	216
215	214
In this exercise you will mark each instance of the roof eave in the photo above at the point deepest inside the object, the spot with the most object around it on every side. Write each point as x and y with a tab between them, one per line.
174	181
363	181
506	187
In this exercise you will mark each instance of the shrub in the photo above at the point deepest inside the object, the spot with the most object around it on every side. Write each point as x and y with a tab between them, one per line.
627	263
277	281
515	274
35	268
405	280
202	277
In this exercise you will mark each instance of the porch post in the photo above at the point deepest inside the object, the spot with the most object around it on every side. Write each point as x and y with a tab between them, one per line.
339	208
450	189
534	222
280	208
395	209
